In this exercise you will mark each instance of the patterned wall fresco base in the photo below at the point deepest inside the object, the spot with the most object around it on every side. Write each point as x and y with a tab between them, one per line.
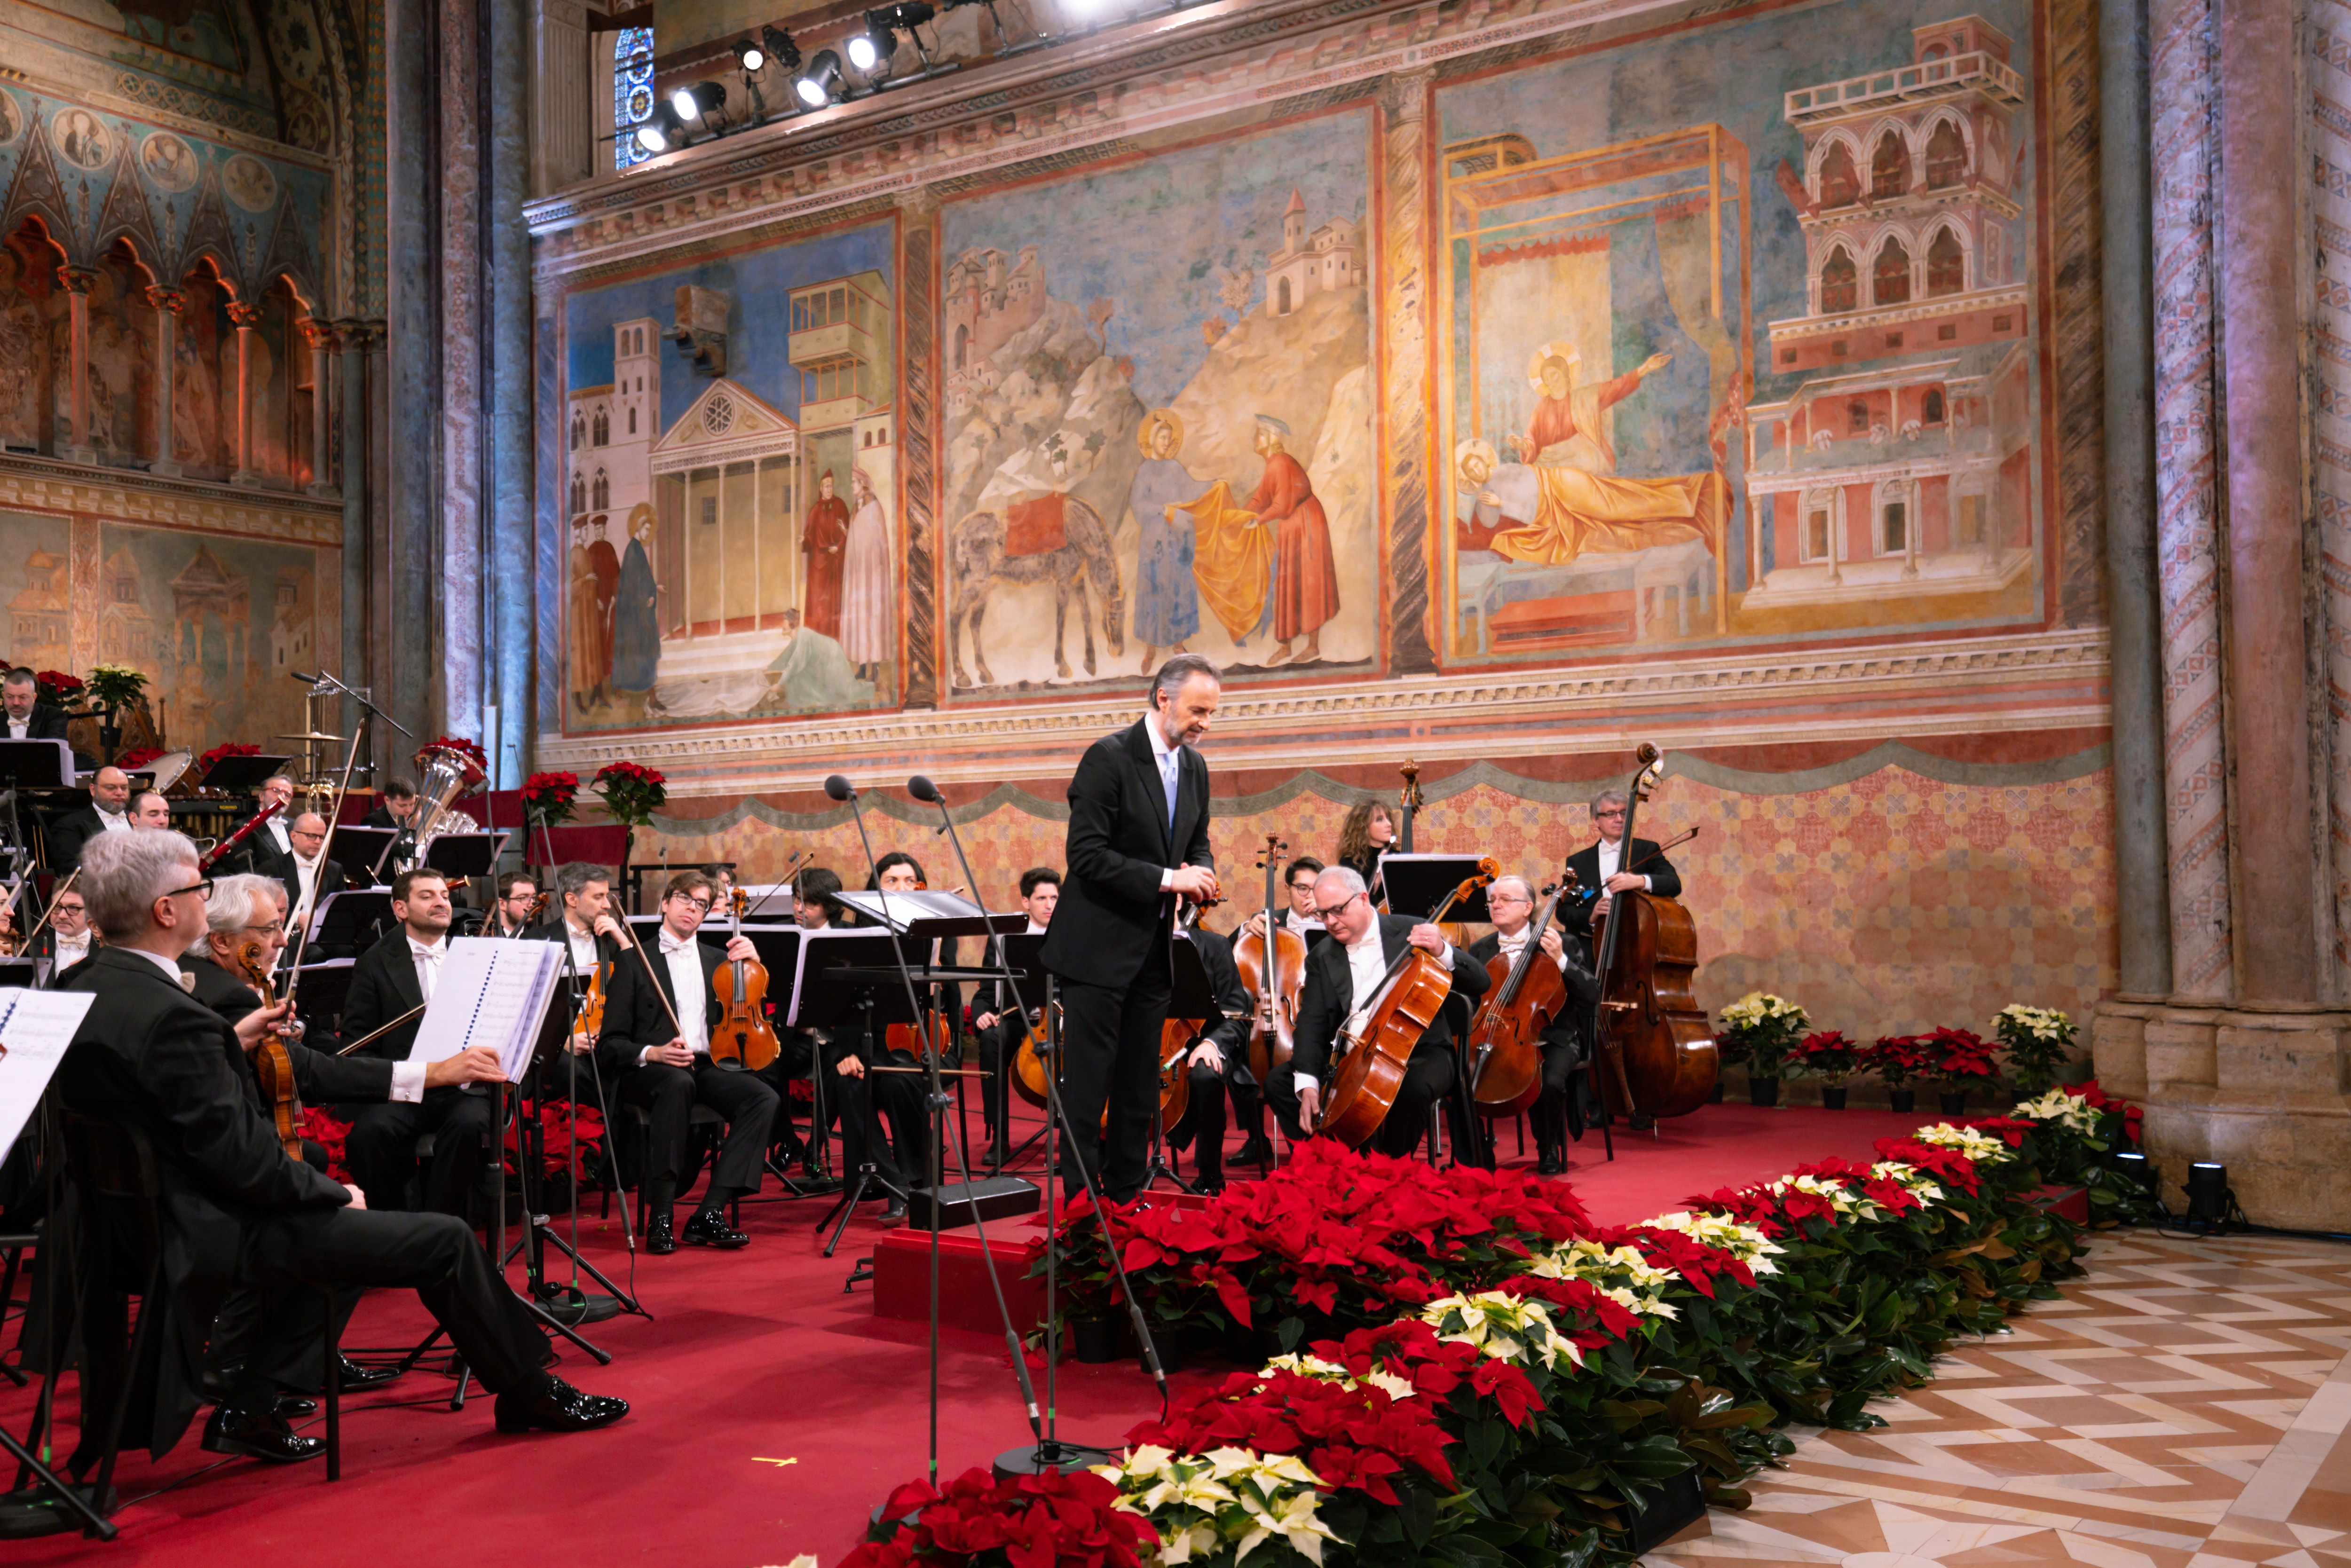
1888	902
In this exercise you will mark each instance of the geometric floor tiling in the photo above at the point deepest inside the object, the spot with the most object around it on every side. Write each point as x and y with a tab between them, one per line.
2184	1405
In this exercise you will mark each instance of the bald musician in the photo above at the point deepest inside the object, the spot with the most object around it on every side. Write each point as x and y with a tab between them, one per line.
109	811
1511	900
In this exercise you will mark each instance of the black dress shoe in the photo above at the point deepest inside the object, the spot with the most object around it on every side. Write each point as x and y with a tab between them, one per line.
1554	1162
260	1436
708	1228
351	1374
1207	1184
554	1405
661	1235
896	1213
293	1406
1255	1152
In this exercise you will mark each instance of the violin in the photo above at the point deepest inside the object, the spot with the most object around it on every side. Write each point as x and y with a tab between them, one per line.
1653	1042
1370	1062
1281	955
591	1020
1504	1050
272	1064
741	1036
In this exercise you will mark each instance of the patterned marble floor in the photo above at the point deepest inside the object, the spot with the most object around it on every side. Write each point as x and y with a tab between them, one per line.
2183	1407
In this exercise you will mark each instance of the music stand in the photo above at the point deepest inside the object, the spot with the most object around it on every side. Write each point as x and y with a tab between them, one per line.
1418	884
326	986
244	775
823	999
351	919
358	848
465	855
1025	955
923	915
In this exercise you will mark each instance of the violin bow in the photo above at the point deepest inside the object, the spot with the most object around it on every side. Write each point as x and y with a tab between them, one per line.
54	893
327	845
375	1034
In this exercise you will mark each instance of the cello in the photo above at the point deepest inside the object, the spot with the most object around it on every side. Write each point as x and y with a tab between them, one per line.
1370	1060
1282	957
1504	1051
1652	1040
741	1039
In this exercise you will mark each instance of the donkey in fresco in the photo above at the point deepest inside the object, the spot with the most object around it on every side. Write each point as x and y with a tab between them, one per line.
1083	568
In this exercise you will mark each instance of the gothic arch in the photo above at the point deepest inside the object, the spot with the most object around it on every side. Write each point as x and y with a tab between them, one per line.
1939	120
1817	164
1947	235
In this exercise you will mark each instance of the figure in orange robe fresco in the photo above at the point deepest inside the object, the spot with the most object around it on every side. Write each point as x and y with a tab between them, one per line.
822	541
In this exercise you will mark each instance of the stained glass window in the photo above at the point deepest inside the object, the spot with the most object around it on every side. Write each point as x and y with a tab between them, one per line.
633	93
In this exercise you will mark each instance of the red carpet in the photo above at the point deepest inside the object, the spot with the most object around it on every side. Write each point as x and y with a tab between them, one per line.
771	1410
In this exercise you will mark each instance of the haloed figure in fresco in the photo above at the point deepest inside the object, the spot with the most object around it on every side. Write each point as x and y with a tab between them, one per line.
636	624
1166	596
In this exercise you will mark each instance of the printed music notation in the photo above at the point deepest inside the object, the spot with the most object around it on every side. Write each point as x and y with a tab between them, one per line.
490	993
35	1026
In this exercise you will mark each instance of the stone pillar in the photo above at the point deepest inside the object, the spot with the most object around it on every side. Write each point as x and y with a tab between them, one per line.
1403	313
404	634
75	281
245	318
510	610
2135	658
168	303
918	462
321	340
563	143
2275	913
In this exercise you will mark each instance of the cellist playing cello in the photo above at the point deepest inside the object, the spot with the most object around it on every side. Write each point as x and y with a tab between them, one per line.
1511	902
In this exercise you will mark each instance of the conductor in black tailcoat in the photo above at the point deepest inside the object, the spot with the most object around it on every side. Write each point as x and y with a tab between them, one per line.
1599	868
1138	840
1341	975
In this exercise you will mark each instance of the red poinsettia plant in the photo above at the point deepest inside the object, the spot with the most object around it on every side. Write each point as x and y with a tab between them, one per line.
230	748
1826	1054
1957	1058
138	756
549	797
328	1131
1898	1059
559	1125
2101	1101
57	688
631	791
1026	1521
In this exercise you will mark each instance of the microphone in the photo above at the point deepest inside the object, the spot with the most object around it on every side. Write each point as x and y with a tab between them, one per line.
299	676
838	788
922	788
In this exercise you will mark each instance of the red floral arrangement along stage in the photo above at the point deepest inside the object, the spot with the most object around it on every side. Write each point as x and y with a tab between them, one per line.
232	748
1456	1367
57	687
549	797
137	758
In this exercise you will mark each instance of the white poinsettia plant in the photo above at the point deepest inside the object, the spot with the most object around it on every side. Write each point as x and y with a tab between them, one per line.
1203	1504
2072	1112
1980	1147
1745	1242
1501	1328
1913	1180
1620	1274
1332	1371
1759	1028
2037	1042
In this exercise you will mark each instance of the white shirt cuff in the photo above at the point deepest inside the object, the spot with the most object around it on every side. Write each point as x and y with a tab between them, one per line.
645	1056
1167	879
407	1082
1646	882
1303	1082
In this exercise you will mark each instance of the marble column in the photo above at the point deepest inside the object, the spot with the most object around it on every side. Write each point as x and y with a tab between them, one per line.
76	281
405	637
245	318
2275	915
321	340
2143	934
169	303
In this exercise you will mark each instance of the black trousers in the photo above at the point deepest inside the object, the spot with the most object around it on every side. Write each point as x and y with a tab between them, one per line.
902	1154
668	1096
1110	1049
288	1256
996	1048
1428	1078
1203	1120
381	1149
1555	1111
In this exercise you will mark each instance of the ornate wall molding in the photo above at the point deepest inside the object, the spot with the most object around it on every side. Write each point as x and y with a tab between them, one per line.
40	483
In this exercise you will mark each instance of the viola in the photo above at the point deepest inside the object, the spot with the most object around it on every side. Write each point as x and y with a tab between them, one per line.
1280	954
1503	1054
273	1065
741	1036
1653	1042
1369	1062
592	1005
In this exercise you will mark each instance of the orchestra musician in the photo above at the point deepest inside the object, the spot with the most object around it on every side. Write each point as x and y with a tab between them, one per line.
1341	976
149	810
392	977
1511	902
1299	876
1138	839
273	843
1599	869
997	1028
1368	832
865	1098
813	910
308	877
1249	1096
666	1069
398	807
109	811
510	911
1216	1062
67	939
27	716
236	1212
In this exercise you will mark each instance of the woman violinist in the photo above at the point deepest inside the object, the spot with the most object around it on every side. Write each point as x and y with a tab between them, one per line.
1368	832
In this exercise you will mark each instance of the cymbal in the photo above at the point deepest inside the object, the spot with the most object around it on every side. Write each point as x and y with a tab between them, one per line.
336	739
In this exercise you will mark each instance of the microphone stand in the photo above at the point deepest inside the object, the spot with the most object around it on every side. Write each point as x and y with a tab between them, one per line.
1051	1453
839	789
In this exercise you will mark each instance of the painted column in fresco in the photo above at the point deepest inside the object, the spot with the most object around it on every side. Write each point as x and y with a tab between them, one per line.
920	682
322	341
245	318
168	303
2186	502
77	282
2142	929
2276	915
1405	262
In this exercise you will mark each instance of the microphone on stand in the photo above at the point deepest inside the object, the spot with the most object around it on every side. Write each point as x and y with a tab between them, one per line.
839	789
922	788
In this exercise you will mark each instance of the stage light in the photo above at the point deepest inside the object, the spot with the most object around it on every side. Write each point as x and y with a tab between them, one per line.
2132	1166
748	55
870	50
780	47
662	132
700	99
822	83
2208	1193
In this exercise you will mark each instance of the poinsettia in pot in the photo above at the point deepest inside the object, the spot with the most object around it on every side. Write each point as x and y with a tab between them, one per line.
2037	1042
1826	1054
548	797
59	689
1960	1060
1759	1029
1898	1059
631	793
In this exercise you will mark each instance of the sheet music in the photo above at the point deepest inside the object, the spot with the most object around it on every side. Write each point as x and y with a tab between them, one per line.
35	1026
490	993
902	909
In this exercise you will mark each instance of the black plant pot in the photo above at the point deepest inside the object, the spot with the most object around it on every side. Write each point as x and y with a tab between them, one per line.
1168	1341
1833	1097
1954	1104
1902	1099
1762	1091
1678	1502
1714	1095
1244	1345
1095	1340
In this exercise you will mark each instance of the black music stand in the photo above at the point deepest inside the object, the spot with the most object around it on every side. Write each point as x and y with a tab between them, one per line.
31	766
350	921
563	1304
464	855
1025	955
1418	884
326	986
244	775
823	998
358	848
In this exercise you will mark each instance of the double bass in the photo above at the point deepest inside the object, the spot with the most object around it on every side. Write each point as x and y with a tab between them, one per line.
1371	1062
1654	1043
1503	1055
1273	971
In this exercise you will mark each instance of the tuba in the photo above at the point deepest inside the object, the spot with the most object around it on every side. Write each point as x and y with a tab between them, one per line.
449	776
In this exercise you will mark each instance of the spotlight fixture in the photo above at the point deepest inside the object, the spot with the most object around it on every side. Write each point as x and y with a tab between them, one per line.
751	56
662	133
779	47
2209	1197
2132	1166
822	83
699	100
870	50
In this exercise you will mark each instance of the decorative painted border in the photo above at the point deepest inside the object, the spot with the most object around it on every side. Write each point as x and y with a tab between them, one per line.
45	485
